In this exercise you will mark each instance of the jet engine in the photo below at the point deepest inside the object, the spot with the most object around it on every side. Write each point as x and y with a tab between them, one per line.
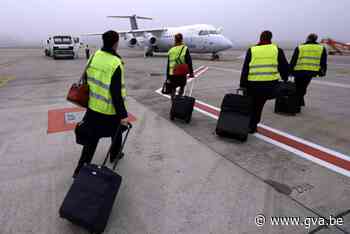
132	42
152	40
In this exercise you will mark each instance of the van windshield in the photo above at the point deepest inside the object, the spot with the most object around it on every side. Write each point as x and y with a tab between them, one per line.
62	40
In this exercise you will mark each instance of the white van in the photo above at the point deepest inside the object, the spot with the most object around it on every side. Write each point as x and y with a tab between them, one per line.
62	46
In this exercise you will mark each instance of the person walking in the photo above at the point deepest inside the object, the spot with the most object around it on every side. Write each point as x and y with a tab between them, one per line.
106	111
264	64
179	54
309	60
87	52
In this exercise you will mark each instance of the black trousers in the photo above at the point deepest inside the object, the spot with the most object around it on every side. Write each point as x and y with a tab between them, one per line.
260	92
99	126
302	82
177	81
87	54
89	150
258	106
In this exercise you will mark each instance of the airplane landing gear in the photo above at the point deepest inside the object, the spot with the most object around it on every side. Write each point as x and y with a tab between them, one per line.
149	54
215	56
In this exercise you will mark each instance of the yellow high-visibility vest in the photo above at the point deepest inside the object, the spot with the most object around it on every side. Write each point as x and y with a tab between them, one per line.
99	77
264	63
175	57
309	58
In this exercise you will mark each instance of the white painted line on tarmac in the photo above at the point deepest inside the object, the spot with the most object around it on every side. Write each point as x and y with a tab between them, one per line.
304	155
334	155
225	69
305	142
292	149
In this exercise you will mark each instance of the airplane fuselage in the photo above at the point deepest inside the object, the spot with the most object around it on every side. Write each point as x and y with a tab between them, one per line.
200	38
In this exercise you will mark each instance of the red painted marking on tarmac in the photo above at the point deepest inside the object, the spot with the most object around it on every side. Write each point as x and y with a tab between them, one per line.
56	119
307	149
198	72
207	109
324	156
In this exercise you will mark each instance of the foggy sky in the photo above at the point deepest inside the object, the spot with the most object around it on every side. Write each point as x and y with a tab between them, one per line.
33	20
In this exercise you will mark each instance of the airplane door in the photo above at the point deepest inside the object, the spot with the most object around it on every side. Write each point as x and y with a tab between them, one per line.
198	44
205	43
189	42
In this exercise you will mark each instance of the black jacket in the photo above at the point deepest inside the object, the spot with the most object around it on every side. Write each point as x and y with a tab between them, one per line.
188	61
105	125
283	68
323	64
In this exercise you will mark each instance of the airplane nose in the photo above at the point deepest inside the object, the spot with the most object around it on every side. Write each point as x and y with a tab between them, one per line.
227	44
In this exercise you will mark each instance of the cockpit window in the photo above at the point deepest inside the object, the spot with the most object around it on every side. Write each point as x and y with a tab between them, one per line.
203	33
207	32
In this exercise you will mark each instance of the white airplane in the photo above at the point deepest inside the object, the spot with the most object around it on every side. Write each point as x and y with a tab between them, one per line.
200	38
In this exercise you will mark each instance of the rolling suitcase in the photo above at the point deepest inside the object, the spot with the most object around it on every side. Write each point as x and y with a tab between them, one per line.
287	105
182	106
286	100
285	89
90	199
235	115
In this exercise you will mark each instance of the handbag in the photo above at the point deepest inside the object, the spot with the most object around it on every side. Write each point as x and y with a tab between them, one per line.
79	92
181	69
166	87
83	133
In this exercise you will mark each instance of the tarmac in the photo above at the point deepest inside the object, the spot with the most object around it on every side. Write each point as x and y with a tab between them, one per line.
177	177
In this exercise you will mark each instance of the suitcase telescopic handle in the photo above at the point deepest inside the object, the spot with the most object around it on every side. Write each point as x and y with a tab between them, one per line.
243	90
129	126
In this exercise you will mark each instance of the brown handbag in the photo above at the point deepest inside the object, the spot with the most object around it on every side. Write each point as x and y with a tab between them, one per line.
79	92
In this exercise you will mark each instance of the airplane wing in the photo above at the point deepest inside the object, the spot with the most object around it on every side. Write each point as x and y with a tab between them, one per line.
136	33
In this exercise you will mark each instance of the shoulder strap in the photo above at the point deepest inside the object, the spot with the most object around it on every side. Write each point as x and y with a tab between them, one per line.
178	60
83	78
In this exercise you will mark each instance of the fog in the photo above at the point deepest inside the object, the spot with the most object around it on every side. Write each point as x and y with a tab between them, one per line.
31	21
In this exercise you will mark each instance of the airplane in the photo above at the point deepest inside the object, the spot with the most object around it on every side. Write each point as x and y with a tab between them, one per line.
199	38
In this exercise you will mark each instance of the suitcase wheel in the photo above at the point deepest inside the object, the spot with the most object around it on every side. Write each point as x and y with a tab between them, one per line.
172	117
188	119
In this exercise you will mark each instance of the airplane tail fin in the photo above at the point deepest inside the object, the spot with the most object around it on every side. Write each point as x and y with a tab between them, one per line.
132	18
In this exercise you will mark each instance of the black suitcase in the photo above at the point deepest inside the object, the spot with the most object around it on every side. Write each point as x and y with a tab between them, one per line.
234	118
90	199
286	99
285	89
287	105
182	106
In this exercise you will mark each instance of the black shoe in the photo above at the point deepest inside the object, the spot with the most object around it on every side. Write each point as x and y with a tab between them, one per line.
113	158
252	130
75	174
